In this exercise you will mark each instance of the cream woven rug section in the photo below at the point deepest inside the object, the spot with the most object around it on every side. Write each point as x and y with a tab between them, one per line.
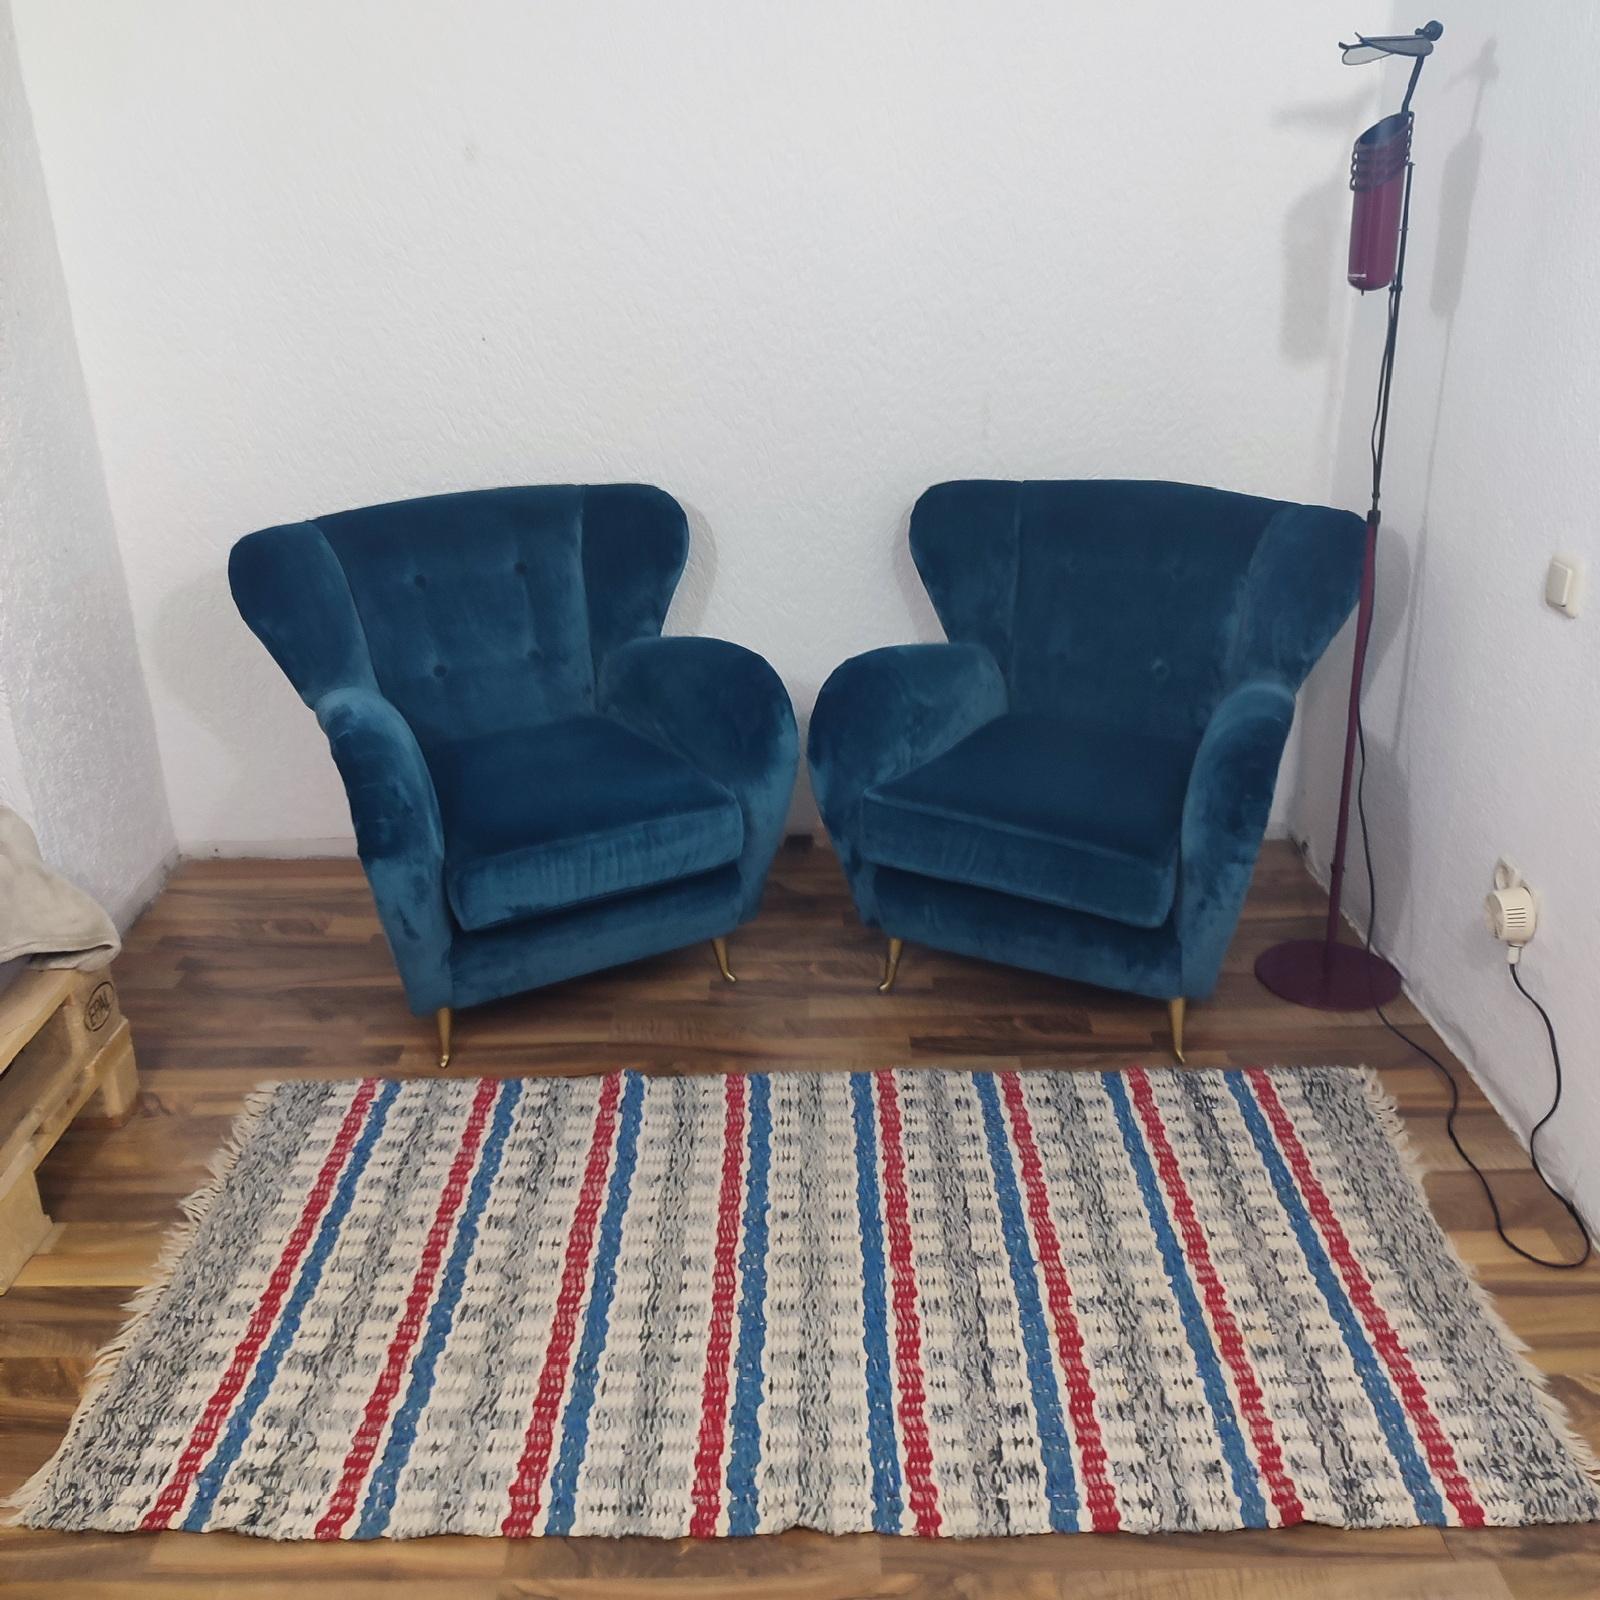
924	1302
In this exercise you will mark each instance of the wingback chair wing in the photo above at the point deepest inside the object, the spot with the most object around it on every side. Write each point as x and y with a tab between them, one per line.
541	784
1079	780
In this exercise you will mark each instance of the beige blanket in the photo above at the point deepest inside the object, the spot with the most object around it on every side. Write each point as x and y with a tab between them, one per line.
43	918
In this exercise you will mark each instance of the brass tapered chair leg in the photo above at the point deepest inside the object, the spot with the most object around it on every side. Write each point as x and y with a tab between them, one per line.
720	948
442	1019
893	965
1175	1010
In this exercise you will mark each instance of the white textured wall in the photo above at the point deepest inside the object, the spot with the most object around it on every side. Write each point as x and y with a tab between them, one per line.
1483	706
77	744
791	262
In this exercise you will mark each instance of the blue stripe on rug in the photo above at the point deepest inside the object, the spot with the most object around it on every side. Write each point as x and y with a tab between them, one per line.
586	1366
744	1454
379	1503
210	1481
1055	1443
1246	1479
887	1504
1385	1403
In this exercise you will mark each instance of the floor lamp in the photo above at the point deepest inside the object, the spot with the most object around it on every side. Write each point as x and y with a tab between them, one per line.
1324	973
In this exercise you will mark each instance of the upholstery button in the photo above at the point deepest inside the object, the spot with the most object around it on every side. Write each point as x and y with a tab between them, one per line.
521	567
439	671
420	581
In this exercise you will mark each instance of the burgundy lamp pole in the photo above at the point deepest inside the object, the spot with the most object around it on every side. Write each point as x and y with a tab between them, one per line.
1323	972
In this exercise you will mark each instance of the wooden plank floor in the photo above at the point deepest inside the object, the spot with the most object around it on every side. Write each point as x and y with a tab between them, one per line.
249	970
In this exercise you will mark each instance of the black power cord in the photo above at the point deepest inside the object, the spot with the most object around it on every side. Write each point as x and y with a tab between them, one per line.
1379	429
1450	1077
1533	1157
1376	441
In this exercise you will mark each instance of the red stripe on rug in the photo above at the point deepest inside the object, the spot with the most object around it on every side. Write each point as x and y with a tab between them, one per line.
1099	1495
205	1431
923	1493
358	1461
535	1460
1231	1342
1413	1394
707	1491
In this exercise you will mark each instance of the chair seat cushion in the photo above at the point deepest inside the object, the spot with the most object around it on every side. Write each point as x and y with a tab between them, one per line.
1075	816
540	818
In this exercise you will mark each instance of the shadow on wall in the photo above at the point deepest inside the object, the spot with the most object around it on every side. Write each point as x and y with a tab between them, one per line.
692	597
925	624
804	816
1314	234
1311	324
687	615
1457	190
1402	562
1458	187
236	701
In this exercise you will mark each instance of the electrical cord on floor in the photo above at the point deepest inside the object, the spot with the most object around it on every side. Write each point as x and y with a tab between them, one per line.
1376	441
1449	1077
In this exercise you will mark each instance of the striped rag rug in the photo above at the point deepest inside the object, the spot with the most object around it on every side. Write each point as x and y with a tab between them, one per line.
917	1302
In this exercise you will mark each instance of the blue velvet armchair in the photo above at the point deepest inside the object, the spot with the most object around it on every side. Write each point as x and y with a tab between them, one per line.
1078	782
541	784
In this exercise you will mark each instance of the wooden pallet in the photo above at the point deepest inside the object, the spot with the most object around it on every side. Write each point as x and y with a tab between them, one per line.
64	1048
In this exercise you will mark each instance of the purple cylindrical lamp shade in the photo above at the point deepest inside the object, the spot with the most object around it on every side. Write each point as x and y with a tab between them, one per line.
1378	179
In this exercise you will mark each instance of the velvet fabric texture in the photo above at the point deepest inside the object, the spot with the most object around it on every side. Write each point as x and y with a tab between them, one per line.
1078	782
541	785
1020	806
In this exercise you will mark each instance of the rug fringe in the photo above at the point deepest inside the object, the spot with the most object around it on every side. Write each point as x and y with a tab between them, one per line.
33	1496
1388	1116
16	1507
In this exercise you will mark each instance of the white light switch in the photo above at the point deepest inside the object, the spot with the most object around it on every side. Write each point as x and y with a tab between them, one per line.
1562	584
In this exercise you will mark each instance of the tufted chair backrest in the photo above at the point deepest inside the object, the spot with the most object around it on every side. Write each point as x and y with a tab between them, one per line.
1131	602
472	613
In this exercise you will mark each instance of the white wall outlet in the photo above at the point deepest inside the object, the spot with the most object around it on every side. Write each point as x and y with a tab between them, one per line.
1506	875
1563	585
1512	915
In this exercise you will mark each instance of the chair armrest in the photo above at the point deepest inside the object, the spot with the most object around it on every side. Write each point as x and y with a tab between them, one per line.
888	712
1224	817
398	834
725	711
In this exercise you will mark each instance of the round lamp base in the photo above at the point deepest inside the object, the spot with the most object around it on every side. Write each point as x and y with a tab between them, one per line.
1345	978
